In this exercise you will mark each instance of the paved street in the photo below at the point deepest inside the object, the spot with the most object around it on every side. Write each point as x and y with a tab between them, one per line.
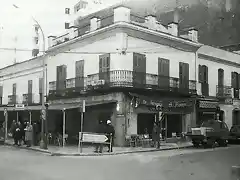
186	164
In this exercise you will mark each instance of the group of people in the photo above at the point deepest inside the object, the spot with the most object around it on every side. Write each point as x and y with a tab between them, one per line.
24	133
109	131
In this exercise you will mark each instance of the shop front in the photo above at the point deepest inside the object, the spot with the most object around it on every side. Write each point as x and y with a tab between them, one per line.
173	115
236	112
205	110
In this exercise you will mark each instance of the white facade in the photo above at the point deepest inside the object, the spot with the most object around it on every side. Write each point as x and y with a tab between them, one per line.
121	41
20	74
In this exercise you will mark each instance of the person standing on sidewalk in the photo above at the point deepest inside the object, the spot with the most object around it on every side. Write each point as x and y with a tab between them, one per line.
18	134
13	131
28	134
110	131
156	135
100	130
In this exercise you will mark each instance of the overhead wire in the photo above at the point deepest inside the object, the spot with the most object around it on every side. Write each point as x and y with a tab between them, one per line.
131	50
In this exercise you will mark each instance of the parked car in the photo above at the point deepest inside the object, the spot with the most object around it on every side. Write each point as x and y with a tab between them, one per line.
234	134
210	134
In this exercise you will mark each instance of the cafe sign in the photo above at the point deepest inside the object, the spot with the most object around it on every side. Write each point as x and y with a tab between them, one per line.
167	105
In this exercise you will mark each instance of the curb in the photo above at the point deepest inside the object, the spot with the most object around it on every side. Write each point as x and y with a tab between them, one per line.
119	153
28	148
95	154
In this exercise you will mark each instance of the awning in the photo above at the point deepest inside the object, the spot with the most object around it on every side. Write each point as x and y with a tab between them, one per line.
68	106
30	108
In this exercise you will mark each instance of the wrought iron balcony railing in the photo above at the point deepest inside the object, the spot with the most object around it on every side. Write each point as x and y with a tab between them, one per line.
12	99
27	98
224	91
125	79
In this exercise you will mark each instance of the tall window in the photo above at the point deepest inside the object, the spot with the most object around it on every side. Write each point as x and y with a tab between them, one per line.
183	75
104	67
61	77
235	84
67	10
1	94
163	73
67	25
14	91
203	79
40	89
139	69
79	82
220	77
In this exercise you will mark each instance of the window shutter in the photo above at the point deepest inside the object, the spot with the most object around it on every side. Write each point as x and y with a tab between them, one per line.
206	74
100	63
135	61
186	72
238	81
160	67
14	89
200	74
233	80
1	91
29	86
40	85
79	68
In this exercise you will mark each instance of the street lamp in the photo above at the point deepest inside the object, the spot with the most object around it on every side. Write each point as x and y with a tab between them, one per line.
43	143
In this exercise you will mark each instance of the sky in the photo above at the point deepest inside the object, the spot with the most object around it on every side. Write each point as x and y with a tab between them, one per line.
16	25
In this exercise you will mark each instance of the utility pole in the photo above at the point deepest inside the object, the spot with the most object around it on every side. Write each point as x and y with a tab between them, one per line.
43	142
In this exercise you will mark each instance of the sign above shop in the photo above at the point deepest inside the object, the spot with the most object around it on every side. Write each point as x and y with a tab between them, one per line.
167	105
208	104
19	106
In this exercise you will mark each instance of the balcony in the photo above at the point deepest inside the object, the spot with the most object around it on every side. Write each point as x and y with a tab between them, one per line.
124	79
224	91
12	99
72	85
27	99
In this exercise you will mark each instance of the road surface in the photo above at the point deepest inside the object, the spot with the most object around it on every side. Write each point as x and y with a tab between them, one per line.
188	164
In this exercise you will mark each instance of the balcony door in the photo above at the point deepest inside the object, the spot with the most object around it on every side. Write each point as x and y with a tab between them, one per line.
220	82
79	74
61	77
104	67
203	79
235	84
163	73
29	95
139	70
183	75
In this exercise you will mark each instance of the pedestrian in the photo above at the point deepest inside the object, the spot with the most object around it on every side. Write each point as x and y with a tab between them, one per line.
28	134
18	134
156	135
35	134
13	131
101	130
110	133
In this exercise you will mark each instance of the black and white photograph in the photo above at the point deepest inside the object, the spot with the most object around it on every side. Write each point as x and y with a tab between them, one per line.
120	89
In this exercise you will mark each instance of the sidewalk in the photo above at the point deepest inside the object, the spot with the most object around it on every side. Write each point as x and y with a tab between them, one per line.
88	151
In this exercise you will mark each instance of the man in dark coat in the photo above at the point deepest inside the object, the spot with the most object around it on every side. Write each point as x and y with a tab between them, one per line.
156	135
13	131
101	130
110	135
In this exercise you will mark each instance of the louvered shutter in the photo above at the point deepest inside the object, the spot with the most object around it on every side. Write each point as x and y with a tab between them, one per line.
233	80
200	74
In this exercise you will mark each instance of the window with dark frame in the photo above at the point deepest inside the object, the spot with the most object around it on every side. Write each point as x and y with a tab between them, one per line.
235	84
67	10
67	25
203	79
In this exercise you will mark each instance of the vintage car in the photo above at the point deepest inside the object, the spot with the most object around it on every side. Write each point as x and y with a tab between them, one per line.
234	134
211	133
